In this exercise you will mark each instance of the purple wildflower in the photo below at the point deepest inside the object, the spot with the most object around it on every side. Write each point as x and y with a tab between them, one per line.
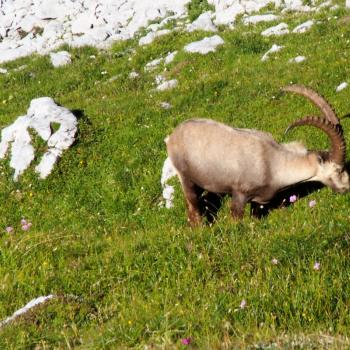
26	226
317	266
293	199
9	229
312	203
186	341
243	304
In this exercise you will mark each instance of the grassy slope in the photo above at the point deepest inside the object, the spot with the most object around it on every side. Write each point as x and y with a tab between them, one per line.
142	276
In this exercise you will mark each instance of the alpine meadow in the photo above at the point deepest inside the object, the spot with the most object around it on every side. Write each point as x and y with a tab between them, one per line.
123	270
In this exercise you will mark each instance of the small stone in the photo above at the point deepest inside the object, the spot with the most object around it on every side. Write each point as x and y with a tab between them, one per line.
341	87
60	58
203	22
280	29
167	85
297	59
274	48
206	45
165	105
134	75
170	57
304	27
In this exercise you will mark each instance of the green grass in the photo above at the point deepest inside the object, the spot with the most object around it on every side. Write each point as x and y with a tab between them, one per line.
197	7
141	275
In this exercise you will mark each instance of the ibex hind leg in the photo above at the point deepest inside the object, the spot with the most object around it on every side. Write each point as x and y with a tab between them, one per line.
192	201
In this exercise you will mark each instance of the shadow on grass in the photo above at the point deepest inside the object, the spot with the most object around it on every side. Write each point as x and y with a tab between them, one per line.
210	203
281	199
86	132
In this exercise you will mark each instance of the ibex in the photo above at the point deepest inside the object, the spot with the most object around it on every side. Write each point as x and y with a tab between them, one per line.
249	164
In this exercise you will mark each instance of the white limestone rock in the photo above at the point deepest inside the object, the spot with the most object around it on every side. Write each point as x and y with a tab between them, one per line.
160	79
168	172
203	22
29	22
280	29
227	15
260	18
53	30
274	48
50	9
170	57
133	75
157	26
226	11
341	87
153	64
33	303
151	36
82	23
9	54
99	34
22	152
304	27
99	24
85	22
165	105
60	58
167	85
41	114
297	59
296	5
206	45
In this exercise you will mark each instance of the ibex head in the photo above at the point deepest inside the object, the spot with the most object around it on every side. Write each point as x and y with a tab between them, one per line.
331	169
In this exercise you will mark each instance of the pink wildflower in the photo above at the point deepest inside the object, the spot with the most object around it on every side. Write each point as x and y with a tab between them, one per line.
9	229
186	341
317	266
312	203
27	226
243	304
293	199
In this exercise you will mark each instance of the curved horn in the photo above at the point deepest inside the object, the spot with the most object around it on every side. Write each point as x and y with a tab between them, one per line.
316	99
334	132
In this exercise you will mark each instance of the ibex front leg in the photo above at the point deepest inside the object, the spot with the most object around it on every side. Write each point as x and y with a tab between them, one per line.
192	202
239	200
